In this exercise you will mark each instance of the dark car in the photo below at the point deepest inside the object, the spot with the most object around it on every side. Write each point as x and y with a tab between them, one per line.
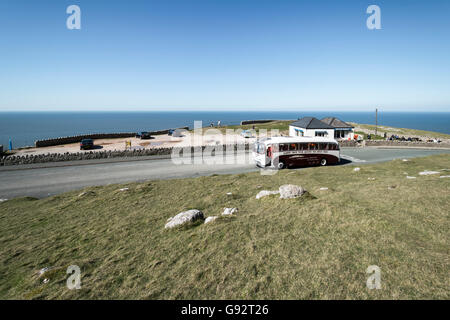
86	144
143	135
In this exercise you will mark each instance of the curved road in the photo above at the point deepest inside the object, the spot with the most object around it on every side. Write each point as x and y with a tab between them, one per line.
44	180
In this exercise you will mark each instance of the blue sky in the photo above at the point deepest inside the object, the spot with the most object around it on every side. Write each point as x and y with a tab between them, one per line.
224	55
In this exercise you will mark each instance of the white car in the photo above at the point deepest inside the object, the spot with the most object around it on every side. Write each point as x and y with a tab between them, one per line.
247	134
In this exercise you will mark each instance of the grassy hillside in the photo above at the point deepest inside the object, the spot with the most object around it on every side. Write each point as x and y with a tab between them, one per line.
311	248
281	125
403	131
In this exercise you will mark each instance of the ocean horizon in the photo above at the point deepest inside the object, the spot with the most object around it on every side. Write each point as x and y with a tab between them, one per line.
24	128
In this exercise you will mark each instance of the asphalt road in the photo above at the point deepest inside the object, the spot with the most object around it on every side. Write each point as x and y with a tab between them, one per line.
50	179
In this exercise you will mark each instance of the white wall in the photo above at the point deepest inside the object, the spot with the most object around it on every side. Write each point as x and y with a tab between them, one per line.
310	132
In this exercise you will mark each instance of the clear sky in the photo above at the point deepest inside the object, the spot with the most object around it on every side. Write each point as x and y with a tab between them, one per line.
224	55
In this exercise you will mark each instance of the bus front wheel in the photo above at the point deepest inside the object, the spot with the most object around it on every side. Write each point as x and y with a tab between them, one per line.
281	165
323	162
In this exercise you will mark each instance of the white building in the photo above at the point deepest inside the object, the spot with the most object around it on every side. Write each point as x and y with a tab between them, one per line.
342	130
327	127
310	127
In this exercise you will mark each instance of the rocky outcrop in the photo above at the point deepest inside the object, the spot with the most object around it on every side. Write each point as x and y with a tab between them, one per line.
184	217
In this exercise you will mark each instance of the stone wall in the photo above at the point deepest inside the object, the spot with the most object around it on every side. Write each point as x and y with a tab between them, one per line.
244	122
384	143
75	139
349	143
57	157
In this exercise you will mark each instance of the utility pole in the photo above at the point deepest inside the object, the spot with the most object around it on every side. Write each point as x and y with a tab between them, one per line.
376	121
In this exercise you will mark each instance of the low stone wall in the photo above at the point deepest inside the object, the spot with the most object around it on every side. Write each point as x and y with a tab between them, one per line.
75	139
244	122
57	157
349	143
384	143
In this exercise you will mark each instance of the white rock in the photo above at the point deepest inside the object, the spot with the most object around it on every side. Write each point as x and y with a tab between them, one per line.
405	160
323	189
264	193
229	211
124	189
444	177
185	217
87	193
46	280
289	191
408	177
43	270
210	219
2	200
371	179
229	194
356	169
426	172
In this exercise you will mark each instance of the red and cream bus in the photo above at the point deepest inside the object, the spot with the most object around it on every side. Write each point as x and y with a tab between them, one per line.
282	152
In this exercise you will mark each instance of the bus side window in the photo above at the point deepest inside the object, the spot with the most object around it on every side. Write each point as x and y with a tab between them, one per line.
292	147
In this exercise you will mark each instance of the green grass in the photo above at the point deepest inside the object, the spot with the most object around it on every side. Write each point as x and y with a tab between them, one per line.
313	248
281	125
372	137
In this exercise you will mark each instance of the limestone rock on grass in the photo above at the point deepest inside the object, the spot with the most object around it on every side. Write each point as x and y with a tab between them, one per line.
229	211
185	217
264	193
289	191
210	219
86	193
426	173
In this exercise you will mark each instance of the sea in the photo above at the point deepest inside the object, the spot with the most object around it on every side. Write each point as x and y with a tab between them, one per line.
23	128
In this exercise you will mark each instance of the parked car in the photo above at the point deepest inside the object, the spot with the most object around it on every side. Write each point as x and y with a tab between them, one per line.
86	144
143	135
247	134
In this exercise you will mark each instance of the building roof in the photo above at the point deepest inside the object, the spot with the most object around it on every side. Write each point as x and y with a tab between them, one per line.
336	123
311	123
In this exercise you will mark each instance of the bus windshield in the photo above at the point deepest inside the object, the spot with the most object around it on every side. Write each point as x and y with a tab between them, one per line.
259	148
